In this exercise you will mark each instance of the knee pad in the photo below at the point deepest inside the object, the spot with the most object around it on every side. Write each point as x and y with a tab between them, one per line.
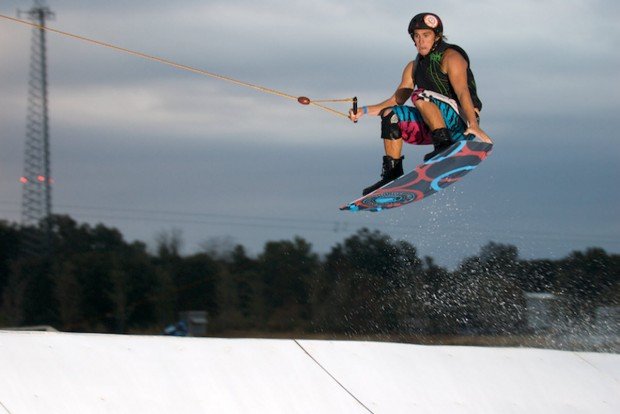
389	126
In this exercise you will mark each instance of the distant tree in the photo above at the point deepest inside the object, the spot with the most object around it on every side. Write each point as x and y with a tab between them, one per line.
14	296
68	295
196	278
249	286
367	284
589	279
372	284
9	251
501	258
538	275
436	304
73	238
240	302
240	293
171	285
487	296
93	275
133	290
287	268
28	296
219	248
169	243
164	296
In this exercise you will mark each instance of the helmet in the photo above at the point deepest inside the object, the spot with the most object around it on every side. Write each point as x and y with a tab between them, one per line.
426	21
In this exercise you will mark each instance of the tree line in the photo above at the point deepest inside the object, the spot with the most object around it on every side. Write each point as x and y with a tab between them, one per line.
95	281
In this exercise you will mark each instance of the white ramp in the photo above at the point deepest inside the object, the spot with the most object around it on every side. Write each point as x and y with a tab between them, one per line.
87	373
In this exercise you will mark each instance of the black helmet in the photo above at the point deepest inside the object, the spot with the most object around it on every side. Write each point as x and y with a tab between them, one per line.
426	21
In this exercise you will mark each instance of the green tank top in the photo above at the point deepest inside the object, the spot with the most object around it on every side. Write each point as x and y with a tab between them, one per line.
427	74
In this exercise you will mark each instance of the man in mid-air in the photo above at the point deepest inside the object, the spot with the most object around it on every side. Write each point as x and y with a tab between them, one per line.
442	88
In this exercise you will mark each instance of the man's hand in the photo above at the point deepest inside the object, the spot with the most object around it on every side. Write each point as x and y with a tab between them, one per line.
357	115
475	130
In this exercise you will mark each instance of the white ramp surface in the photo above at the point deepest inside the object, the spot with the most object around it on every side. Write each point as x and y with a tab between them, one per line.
88	373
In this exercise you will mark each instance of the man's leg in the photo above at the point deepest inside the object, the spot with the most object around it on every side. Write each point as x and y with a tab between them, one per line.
431	114
441	136
392	163
393	147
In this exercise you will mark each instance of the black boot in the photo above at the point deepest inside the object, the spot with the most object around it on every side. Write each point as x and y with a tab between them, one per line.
442	139
392	169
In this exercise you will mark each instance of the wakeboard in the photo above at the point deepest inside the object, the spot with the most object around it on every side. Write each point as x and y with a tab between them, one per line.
446	168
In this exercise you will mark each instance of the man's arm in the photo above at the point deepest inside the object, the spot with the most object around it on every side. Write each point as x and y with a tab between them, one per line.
456	67
403	92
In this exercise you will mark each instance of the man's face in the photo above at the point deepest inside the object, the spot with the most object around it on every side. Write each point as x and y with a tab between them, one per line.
424	40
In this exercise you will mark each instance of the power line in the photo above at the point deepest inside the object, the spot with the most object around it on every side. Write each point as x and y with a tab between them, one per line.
460	232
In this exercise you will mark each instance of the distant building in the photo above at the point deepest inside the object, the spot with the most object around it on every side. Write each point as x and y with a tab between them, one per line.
541	310
191	323
195	321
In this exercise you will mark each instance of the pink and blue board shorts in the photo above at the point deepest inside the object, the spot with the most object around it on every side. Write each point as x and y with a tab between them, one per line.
414	130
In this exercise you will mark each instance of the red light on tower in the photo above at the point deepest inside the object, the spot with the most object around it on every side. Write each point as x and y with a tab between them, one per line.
23	180
41	178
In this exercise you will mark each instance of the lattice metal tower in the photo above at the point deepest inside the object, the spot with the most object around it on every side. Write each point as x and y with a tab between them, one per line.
36	181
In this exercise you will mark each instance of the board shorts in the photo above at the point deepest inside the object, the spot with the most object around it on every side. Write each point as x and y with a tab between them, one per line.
412	128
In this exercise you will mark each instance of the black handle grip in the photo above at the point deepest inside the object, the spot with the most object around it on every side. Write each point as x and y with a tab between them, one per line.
355	106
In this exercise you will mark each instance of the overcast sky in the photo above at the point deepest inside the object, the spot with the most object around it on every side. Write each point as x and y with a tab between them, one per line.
147	148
